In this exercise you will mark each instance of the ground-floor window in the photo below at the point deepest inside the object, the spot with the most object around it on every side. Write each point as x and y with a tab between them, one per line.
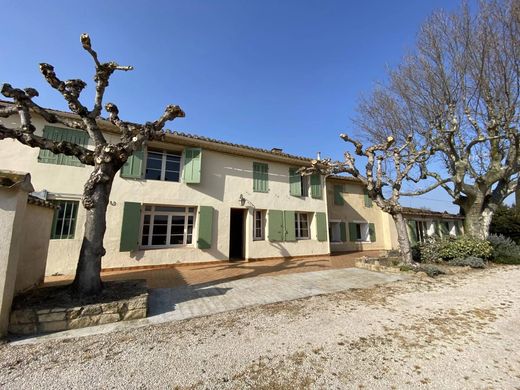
422	228
165	226
259	225
301	224
64	223
360	231
335	231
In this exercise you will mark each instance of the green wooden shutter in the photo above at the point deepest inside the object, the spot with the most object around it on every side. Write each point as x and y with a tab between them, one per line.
412	232
368	200
289	226
352	231
192	165
444	228
295	182
321	225
130	227
437	228
260	177
205	233
62	134
343	231
338	195
133	167
276	225
372	232
316	186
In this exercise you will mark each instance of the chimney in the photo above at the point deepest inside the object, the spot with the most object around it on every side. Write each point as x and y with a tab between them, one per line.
318	156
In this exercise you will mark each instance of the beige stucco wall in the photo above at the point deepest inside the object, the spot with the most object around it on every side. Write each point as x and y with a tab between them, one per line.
224	178
36	231
12	207
354	210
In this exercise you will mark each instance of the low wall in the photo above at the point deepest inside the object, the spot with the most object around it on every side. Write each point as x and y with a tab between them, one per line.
52	309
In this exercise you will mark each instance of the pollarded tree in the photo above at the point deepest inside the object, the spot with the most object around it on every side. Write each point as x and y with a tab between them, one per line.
106	158
460	91
387	169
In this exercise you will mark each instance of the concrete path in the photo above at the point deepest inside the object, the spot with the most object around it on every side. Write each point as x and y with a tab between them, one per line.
178	303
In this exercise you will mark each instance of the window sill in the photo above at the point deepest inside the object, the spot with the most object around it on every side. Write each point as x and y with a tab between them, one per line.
258	239
147	248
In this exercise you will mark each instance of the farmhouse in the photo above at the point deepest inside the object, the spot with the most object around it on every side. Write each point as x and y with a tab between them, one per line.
189	199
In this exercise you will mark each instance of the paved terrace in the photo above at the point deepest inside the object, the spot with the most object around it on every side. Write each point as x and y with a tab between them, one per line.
178	293
193	274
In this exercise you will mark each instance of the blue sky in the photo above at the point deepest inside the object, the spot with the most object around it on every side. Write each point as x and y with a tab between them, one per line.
269	73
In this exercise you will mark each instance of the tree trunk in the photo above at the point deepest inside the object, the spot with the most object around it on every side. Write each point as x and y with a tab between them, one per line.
477	220
402	238
95	200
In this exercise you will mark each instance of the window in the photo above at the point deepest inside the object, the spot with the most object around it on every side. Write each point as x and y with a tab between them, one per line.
162	165
304	185
335	231
338	195
360	231
259	227
260	177
64	223
62	134
301	224
422	229
165	226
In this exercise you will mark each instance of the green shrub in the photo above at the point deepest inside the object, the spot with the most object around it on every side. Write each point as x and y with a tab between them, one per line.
470	261
428	251
505	250
431	270
464	246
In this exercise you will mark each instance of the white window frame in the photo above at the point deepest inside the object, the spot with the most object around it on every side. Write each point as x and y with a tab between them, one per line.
337	223
364	231
164	154
261	215
152	213
298	222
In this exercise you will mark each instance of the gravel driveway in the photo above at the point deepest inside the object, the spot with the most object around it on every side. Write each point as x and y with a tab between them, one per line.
455	332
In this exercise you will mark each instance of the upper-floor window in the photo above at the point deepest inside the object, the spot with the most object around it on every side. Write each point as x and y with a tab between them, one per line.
304	185
62	134
64	222
301	224
163	165
165	226
260	177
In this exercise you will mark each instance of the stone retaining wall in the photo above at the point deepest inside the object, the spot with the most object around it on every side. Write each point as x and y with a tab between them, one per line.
32	318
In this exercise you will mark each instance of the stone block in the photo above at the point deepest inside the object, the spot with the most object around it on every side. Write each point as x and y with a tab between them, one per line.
80	322
138	303
23	317
91	310
52	326
135	314
43	311
47	317
104	319
112	307
73	313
